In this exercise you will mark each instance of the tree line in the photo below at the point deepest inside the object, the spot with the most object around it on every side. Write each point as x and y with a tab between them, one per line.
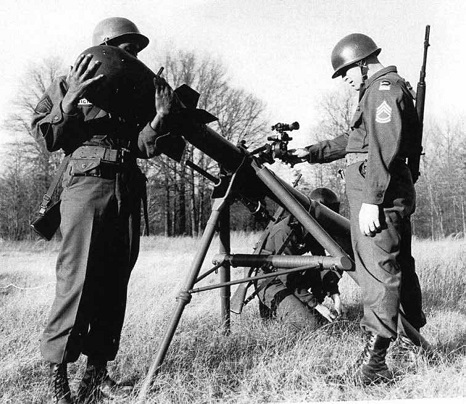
179	198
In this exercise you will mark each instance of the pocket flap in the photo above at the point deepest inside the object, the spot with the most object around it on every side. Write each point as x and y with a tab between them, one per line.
82	166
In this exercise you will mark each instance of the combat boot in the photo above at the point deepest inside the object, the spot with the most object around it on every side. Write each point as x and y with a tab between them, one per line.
371	367
60	386
96	384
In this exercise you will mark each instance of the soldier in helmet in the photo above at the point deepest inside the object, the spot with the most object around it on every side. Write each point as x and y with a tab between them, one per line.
380	190
100	211
298	297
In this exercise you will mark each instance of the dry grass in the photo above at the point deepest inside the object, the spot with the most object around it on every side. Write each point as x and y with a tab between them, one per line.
258	362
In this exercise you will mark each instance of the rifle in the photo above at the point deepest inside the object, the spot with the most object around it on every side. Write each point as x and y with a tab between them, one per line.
414	161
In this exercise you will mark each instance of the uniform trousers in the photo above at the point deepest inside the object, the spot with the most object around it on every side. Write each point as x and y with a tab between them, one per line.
100	227
288	299
384	265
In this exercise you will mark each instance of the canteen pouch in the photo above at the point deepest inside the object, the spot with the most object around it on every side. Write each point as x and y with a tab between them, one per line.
47	223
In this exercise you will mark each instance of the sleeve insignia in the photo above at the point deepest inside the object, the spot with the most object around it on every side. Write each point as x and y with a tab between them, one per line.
384	85
384	113
44	106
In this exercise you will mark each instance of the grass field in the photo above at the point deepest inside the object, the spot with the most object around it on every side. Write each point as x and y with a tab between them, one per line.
258	362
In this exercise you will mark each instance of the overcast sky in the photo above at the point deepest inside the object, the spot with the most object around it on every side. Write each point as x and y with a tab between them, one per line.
277	50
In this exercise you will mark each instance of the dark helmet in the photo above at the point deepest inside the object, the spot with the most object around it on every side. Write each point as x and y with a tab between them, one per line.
326	197
352	49
117	28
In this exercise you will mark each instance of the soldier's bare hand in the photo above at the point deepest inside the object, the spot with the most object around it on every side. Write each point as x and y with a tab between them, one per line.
80	78
369	219
164	96
325	311
338	305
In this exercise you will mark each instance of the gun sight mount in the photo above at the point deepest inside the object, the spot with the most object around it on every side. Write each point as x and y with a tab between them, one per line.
278	148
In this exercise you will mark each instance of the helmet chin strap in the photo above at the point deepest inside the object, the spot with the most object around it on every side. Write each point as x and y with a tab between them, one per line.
364	71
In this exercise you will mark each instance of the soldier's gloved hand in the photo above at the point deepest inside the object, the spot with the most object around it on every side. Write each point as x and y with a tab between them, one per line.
80	79
369	219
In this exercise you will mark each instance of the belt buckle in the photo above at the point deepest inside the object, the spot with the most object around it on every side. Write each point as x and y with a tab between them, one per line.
121	155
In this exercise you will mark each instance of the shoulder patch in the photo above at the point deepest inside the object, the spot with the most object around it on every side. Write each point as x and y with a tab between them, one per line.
44	106
384	113
384	85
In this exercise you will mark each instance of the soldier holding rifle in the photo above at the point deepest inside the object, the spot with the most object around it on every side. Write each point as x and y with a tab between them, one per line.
385	132
100	211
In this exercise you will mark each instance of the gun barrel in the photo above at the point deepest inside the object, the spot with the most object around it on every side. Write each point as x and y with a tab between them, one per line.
283	261
231	158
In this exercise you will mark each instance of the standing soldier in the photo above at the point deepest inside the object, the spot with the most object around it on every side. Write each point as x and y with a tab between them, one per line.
384	131
100	212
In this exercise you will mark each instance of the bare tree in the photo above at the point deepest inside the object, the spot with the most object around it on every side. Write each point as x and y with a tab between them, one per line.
441	188
178	198
336	110
30	165
240	118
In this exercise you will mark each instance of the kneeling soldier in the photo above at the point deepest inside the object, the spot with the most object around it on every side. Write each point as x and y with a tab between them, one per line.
298	297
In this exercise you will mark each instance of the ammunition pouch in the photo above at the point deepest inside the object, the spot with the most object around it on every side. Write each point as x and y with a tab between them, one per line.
111	156
99	161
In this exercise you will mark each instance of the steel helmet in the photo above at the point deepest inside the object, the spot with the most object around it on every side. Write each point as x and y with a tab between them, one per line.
326	197
117	27
351	49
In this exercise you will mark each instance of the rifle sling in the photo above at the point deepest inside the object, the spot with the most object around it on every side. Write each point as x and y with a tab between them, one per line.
53	185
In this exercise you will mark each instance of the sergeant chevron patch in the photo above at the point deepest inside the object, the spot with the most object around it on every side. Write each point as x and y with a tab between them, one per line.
384	113
44	106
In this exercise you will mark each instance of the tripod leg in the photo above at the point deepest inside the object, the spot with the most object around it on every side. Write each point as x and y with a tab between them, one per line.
224	270
412	333
183	298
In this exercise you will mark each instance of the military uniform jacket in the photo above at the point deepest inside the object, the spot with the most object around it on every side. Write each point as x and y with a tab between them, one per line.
385	126
90	125
297	242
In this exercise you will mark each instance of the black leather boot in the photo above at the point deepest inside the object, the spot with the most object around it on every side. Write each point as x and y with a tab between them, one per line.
60	386
96	384
371	367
